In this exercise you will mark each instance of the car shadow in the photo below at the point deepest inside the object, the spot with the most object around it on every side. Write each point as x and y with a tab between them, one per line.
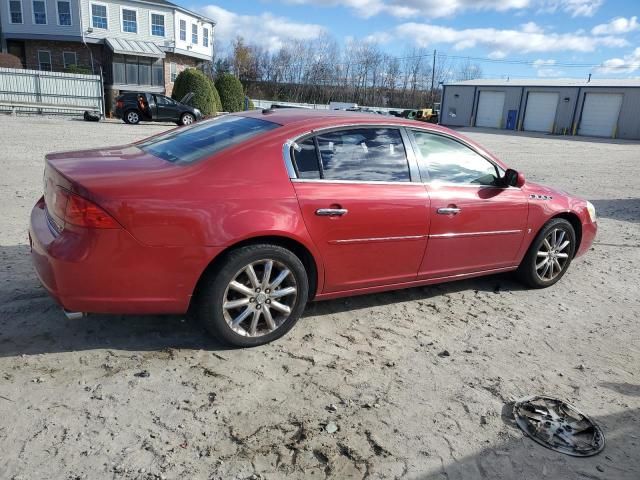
624	209
31	322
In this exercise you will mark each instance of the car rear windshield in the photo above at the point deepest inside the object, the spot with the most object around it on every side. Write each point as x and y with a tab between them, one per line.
184	146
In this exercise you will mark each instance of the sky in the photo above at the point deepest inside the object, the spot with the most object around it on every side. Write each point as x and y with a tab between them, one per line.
507	38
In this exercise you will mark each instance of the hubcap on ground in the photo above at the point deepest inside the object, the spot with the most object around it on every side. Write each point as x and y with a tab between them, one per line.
553	254
259	298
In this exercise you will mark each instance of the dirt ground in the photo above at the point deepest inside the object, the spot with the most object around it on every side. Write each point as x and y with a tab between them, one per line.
153	397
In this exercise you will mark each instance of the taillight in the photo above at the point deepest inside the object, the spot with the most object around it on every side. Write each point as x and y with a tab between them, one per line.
79	211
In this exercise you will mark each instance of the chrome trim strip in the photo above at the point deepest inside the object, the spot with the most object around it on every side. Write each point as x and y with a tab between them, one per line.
361	182
475	234
377	239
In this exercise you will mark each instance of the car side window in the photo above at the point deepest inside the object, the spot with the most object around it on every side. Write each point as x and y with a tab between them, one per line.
306	159
162	100
448	161
364	154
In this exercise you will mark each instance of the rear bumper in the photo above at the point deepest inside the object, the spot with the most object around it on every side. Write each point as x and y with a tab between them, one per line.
108	271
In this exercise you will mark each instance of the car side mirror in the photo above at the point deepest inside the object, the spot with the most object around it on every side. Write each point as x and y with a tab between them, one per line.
513	178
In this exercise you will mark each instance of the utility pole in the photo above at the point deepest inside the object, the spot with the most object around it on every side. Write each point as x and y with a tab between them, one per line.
433	77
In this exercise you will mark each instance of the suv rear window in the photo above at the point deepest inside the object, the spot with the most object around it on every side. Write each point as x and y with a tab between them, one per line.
184	146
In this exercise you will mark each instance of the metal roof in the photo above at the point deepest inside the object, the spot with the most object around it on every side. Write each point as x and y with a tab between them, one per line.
549	82
135	47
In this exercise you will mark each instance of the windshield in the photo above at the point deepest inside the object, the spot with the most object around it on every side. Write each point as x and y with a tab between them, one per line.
189	145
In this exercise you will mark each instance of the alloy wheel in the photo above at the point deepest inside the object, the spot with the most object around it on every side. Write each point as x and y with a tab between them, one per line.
187	119
260	297
553	254
133	117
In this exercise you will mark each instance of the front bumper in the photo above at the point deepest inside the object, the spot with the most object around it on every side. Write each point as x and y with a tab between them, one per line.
589	231
108	271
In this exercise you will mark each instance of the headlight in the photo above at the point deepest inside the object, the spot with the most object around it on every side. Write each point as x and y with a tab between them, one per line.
592	211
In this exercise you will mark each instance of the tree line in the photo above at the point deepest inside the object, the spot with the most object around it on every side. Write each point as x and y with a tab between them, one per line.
321	71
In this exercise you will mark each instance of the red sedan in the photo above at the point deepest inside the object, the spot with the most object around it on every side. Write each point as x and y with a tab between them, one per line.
245	218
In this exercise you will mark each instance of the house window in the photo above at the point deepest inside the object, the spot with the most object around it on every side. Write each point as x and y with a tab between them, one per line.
183	30
69	58
44	60
157	24
39	12
15	11
194	34
129	20
132	70
99	16
64	13
174	71
205	37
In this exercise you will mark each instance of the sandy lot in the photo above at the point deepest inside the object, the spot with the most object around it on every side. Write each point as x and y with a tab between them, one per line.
72	403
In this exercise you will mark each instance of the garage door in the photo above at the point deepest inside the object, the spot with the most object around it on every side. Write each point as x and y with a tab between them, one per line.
540	115
490	108
600	114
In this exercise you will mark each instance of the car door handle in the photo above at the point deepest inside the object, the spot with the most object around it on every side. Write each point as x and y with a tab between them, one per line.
331	212
449	211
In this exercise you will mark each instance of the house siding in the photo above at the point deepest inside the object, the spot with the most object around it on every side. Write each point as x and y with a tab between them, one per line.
28	27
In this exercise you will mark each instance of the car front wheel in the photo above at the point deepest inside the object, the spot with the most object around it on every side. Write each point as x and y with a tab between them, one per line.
255	296
187	119
549	255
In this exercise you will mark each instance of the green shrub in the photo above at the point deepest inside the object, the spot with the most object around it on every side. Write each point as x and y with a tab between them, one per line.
231	93
78	69
205	96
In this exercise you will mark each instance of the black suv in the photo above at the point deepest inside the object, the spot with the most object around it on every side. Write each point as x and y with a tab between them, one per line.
133	107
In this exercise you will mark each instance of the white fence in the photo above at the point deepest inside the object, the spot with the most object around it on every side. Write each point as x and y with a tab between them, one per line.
49	92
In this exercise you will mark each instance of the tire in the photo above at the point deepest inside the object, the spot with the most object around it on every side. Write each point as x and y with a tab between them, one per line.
233	325
187	119
131	117
534	271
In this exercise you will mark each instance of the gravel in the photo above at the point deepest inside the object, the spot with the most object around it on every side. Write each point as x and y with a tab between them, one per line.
74	405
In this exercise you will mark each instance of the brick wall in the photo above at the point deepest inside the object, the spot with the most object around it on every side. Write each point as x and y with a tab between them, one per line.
56	48
181	62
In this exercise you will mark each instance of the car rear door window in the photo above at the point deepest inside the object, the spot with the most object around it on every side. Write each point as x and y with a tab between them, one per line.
306	159
448	161
364	154
188	145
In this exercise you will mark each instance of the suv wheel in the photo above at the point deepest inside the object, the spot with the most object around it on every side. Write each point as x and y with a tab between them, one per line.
187	119
132	117
255	296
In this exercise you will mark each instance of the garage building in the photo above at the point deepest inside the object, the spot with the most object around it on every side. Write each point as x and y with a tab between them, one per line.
598	108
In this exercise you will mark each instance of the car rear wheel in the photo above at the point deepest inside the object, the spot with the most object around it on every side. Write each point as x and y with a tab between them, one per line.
549	255
187	119
132	117
255	296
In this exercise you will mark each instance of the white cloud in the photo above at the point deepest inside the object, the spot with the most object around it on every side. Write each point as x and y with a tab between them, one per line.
446	8
497	55
576	8
543	63
505	41
531	27
422	8
544	68
629	64
266	30
617	26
